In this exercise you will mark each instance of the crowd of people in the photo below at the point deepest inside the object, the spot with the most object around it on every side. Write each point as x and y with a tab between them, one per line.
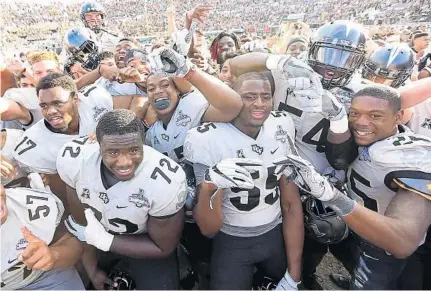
213	159
44	24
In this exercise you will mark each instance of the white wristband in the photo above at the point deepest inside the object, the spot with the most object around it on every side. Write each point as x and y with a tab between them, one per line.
339	126
272	62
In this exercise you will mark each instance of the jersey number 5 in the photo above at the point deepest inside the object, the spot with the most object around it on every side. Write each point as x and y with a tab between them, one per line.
356	178
253	198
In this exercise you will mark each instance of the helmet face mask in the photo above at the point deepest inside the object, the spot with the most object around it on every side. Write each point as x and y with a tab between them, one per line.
322	224
82	49
390	65
336	52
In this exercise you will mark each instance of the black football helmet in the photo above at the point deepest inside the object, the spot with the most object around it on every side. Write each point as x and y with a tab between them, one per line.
123	280
336	51
392	64
322	223
89	7
81	48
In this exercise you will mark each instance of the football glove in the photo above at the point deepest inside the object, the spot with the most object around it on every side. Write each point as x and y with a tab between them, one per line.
332	109
287	283
167	62
307	178
232	173
93	234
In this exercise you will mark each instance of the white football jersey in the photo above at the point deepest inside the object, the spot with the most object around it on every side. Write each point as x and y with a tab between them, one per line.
105	40
38	147
370	176
311	128
27	98
12	136
41	212
158	188
188	114
207	145
421	120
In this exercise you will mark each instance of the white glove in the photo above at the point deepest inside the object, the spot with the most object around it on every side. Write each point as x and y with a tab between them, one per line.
167	62
308	179
231	173
334	176
310	92
94	233
287	283
332	108
183	38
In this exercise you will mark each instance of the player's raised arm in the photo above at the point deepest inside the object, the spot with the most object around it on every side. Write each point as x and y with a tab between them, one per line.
225	103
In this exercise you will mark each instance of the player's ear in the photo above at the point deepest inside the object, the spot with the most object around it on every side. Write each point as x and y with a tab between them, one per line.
74	97
399	116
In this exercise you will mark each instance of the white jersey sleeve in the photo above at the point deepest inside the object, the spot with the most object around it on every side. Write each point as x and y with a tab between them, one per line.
69	161
94	102
407	151
41	212
370	176
420	122
170	140
27	98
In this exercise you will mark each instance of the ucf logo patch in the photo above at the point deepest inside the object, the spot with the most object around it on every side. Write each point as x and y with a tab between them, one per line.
257	149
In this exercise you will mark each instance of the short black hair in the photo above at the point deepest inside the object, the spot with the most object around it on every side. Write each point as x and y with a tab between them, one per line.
262	76
57	80
382	92
106	55
119	122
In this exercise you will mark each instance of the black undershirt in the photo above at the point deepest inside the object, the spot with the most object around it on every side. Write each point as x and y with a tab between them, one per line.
108	179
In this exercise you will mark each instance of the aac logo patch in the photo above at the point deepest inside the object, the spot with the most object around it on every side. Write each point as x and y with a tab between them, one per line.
139	199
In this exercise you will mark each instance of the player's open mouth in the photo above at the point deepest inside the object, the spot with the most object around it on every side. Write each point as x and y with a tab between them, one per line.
124	172
55	120
258	114
160	99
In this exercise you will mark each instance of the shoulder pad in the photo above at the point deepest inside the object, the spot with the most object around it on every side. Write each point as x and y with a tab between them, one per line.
406	150
199	142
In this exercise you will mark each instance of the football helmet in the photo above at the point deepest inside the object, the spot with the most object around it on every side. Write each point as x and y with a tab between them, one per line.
123	280
337	49
81	48
392	64
322	223
89	7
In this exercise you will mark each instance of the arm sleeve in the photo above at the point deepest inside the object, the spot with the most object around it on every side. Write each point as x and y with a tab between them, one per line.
199	170
340	156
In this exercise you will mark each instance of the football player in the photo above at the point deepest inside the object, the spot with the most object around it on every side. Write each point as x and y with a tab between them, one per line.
93	16
178	113
389	219
130	197
68	114
37	252
417	95
243	201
